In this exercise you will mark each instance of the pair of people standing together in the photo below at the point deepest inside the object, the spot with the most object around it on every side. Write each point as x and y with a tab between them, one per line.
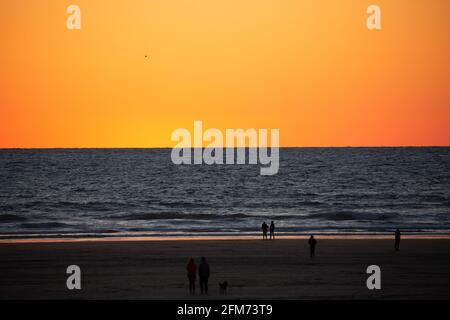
265	227
203	273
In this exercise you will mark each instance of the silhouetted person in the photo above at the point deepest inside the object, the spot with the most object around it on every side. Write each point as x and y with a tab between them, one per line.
397	239
191	269
203	273
312	246
272	230
264	228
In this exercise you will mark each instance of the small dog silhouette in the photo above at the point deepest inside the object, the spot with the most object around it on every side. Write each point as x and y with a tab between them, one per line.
223	287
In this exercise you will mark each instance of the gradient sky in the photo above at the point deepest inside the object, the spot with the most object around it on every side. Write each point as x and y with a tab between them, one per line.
308	67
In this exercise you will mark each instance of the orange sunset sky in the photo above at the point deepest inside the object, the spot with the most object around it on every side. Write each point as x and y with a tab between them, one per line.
308	67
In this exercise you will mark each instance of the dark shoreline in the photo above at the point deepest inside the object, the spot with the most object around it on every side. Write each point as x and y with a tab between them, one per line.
118	238
254	269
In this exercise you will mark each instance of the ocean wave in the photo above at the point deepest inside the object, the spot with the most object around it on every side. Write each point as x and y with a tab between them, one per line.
11	218
173	215
333	216
359	216
43	225
181	204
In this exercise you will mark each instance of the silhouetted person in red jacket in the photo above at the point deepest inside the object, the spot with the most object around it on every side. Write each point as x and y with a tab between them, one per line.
203	273
397	239
312	246
191	269
264	228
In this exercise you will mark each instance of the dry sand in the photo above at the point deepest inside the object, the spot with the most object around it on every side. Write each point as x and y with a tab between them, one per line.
280	269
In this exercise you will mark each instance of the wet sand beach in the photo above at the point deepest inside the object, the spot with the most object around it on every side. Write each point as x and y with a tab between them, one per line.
254	269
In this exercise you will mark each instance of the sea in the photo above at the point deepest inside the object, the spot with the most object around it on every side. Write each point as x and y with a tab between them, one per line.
141	193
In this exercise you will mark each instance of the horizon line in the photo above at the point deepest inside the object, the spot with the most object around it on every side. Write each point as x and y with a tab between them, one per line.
281	147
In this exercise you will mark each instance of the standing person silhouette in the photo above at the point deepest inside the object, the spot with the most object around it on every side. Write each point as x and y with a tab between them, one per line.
272	231
397	239
312	246
203	273
264	228
191	269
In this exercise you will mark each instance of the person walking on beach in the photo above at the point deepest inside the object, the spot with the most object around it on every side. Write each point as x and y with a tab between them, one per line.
191	269
312	246
397	239
272	231
264	228
203	273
